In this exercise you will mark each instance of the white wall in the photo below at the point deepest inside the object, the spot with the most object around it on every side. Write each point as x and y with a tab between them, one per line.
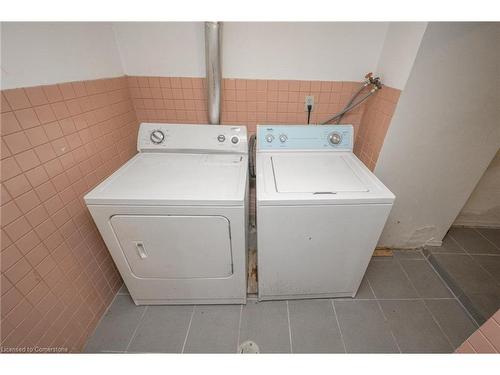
162	48
483	206
398	54
258	50
336	51
444	133
45	53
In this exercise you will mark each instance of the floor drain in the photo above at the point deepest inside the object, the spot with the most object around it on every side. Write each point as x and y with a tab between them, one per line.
248	347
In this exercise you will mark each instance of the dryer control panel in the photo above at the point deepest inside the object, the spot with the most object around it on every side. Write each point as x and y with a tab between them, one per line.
305	137
158	137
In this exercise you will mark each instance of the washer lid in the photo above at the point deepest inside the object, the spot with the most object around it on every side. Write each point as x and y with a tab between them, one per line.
175	179
316	178
317	174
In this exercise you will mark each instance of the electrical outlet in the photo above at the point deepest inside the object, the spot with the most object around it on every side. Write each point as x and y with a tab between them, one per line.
309	100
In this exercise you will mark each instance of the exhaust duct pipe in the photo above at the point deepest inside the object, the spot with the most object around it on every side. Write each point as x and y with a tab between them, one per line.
213	47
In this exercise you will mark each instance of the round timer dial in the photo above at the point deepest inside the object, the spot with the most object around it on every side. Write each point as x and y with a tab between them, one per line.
157	137
334	138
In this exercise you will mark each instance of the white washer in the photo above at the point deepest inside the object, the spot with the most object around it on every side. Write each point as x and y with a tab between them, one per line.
320	212
174	217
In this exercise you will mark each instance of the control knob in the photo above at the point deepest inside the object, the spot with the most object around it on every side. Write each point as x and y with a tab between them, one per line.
157	136
334	138
283	138
269	138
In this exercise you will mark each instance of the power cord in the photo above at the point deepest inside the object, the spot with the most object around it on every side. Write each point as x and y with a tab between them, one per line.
309	109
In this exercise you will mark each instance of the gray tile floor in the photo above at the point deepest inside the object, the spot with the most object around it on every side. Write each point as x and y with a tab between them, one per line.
469	261
402	306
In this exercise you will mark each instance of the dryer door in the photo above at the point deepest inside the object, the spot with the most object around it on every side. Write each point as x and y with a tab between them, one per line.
174	246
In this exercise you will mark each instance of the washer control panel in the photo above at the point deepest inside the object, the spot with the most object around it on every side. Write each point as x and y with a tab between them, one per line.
157	137
305	137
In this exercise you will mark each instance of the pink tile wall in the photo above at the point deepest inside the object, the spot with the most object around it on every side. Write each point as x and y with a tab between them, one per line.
377	116
486	339
57	143
244	101
251	102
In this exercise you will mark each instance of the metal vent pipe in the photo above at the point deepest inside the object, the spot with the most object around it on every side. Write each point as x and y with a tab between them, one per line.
213	47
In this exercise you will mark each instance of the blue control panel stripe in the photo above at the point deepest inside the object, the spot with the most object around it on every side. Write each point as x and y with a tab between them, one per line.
305	137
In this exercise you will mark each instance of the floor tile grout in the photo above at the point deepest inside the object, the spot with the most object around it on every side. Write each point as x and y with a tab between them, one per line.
475	261
289	327
486	271
136	328
486	238
458	243
362	299
427	308
486	255
338	325
452	293
439	325
401	260
383	315
100	320
189	327
408	277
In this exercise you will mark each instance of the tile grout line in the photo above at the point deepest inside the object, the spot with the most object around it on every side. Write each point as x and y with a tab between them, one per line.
394	299
136	328
409	279
495	246
239	330
441	279
475	261
458	243
289	327
189	327
452	293
338	325
486	238
470	256
486	271
427	307
100	320
487	338
457	253
383	315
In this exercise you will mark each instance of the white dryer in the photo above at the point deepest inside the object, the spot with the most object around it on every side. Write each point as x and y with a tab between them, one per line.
174	217
320	212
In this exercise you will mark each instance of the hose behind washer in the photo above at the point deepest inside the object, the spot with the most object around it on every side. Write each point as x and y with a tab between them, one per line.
370	80
377	85
251	155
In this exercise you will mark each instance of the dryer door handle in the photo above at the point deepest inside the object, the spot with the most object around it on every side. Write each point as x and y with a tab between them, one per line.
141	250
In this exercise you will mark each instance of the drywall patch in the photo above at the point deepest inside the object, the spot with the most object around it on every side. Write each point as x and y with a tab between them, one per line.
421	236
